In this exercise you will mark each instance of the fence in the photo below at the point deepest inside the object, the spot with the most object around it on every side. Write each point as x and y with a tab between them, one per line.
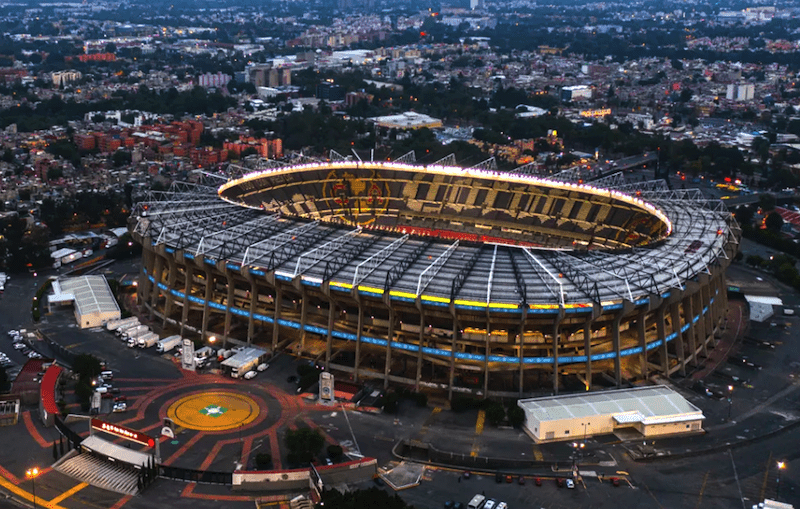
198	476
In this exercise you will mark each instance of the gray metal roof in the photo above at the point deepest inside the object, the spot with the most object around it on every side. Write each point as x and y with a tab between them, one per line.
650	405
91	293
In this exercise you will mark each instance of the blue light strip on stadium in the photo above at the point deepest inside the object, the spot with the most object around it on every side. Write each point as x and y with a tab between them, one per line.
349	336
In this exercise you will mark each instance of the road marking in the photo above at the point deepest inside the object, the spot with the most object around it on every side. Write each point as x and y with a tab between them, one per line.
69	493
537	453
26	495
478	430
479	423
702	489
766	477
429	420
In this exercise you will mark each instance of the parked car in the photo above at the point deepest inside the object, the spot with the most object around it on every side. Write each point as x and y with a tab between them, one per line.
570	484
262	367
498	478
522	479
467	474
538	481
615	481
250	375
560	482
120	407
509	478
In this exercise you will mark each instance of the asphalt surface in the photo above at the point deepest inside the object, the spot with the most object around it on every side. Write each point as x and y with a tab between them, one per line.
717	479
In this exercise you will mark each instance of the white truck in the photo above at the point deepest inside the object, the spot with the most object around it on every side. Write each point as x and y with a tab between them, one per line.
136	332
148	340
117	324
120	332
167	344
203	355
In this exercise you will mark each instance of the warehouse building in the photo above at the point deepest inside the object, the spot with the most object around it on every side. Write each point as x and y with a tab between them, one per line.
94	303
652	411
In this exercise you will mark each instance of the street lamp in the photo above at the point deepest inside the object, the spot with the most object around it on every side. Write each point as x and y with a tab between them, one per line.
211	339
781	466
32	474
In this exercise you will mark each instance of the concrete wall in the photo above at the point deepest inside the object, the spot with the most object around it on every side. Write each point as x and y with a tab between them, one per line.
298	480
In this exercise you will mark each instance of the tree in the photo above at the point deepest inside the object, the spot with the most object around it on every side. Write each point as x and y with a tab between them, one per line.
773	222
335	452
303	444
766	202
495	413
373	497
263	460
86	366
516	416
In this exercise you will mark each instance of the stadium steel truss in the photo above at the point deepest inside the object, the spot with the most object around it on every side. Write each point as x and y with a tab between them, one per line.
459	279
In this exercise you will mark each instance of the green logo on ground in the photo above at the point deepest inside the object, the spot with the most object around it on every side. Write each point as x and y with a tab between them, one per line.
213	410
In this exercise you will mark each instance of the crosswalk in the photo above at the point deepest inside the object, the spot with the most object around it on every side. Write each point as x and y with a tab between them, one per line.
100	473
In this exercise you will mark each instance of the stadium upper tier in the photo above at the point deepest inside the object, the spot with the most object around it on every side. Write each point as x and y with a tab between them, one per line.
444	235
452	202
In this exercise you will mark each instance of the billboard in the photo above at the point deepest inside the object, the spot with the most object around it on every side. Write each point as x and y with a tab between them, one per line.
123	432
326	396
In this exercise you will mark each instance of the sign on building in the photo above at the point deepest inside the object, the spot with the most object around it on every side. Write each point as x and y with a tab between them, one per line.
326	396
187	355
123	432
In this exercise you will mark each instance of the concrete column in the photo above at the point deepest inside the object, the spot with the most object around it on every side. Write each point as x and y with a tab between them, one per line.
453	347
420	340
486	353
587	348
303	317
187	285
231	288
521	353
209	277
329	338
156	270
700	329
556	342
172	279
641	332
688	316
662	335
278	305
358	340
616	345
143	290
251	322
675	317
387	367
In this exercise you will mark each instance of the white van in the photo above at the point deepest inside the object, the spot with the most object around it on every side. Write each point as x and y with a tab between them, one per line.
476	502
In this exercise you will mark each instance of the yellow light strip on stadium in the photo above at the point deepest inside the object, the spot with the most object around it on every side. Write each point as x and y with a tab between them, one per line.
503	305
406	295
341	285
370	289
435	299
453	171
474	303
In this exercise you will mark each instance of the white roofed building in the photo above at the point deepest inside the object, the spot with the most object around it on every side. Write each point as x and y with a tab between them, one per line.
92	297
652	411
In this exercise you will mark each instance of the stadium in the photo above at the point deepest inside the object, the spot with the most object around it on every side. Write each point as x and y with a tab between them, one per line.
462	280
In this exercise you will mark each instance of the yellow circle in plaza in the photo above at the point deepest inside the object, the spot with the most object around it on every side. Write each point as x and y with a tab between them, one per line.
213	411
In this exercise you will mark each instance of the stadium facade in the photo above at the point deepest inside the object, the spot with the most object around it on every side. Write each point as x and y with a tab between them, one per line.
460	279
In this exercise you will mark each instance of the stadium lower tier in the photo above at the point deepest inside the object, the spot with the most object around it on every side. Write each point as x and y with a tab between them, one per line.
489	351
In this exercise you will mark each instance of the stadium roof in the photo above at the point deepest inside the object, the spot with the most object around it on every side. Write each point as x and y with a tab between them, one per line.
90	293
649	405
407	265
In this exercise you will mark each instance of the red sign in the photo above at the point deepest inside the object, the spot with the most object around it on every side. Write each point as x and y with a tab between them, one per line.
123	432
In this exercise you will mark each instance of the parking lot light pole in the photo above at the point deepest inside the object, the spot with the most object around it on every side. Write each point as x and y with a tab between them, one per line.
730	401
781	466
32	474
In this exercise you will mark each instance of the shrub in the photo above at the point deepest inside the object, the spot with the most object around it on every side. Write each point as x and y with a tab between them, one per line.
335	452
263	460
516	416
495	413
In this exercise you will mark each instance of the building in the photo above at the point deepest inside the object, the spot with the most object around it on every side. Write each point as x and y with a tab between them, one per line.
330	92
209	80
407	120
64	77
740	92
651	411
441	277
94	303
576	93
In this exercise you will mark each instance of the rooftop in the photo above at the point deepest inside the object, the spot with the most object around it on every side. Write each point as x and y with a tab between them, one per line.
653	404
91	294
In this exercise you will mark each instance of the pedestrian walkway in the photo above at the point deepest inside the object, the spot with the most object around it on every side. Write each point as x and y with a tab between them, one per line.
93	470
